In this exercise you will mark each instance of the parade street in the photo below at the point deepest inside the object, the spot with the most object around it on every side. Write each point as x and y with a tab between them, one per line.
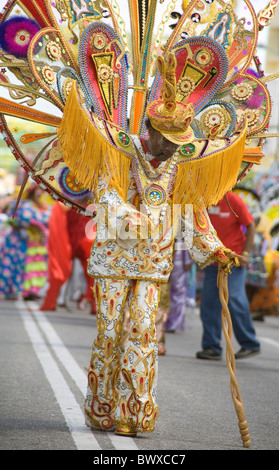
43	360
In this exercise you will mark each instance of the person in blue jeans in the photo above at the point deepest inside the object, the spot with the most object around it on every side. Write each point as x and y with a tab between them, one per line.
235	227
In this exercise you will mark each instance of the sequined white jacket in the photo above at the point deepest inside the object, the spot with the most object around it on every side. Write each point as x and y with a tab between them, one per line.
116	256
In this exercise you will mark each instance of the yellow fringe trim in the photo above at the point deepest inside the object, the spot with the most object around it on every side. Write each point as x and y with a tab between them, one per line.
204	181
87	153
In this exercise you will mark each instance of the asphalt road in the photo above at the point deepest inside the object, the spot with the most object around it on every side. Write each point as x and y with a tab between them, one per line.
43	356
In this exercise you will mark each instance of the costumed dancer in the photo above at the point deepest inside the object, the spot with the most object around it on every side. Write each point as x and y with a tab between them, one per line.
129	267
191	151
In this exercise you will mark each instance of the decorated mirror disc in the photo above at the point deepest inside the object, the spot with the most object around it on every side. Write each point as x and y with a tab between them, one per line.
155	195
187	149
124	139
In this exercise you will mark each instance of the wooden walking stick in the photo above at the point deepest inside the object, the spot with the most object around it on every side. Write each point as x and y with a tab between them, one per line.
227	329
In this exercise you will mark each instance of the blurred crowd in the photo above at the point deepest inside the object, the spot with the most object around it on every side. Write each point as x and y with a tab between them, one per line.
44	251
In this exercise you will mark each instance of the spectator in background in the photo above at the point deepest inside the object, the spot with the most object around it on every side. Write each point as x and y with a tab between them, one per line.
178	288
266	300
228	218
36	269
171	315
27	229
67	241
256	276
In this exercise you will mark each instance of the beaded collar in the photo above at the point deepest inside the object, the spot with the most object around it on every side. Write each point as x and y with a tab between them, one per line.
154	184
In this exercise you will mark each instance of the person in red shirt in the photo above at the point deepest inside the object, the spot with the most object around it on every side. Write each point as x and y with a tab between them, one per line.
67	241
235	227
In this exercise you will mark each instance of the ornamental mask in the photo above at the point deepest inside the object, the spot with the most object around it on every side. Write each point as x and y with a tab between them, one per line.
167	115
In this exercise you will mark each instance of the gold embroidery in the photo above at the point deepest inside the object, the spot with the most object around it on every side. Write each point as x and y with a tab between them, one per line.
149	299
146	266
141	384
108	347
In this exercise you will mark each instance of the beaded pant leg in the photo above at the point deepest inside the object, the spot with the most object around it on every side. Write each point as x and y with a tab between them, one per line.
136	406
102	393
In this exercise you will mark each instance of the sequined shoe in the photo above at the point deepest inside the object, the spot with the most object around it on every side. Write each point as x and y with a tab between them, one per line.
125	430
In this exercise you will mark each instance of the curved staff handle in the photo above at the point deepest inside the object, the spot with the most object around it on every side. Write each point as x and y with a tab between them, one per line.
222	283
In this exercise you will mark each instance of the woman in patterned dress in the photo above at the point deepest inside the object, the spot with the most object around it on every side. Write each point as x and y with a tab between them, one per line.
26	236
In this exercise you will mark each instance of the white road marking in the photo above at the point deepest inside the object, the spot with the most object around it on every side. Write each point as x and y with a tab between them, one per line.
74	370
62	353
270	341
72	413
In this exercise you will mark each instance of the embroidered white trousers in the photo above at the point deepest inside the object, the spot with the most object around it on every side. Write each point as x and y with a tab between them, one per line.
123	371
